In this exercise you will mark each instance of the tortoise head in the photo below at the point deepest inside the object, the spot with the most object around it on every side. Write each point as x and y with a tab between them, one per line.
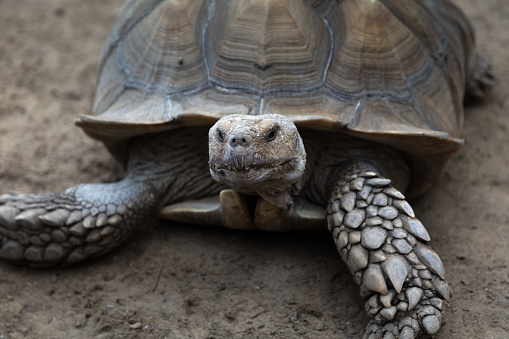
261	155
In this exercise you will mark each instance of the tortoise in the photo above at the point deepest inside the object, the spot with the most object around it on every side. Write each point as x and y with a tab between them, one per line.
317	114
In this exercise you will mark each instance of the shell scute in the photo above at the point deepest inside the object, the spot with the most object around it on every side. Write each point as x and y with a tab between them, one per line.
266	46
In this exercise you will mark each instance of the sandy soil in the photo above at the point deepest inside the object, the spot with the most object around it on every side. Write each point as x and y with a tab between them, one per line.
184	281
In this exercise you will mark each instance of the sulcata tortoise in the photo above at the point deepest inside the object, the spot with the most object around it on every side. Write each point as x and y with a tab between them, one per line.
275	115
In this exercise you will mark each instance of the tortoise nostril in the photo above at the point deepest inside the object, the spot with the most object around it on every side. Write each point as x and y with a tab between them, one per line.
240	140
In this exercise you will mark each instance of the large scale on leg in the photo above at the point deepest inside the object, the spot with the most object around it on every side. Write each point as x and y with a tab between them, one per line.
316	113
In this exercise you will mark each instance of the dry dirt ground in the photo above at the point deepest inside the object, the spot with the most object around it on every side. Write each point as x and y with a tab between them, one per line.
186	281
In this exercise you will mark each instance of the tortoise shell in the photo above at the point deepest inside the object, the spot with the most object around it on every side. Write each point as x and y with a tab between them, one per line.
389	71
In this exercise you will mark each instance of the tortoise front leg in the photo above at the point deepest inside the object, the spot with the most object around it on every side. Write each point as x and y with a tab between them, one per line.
89	220
63	228
386	249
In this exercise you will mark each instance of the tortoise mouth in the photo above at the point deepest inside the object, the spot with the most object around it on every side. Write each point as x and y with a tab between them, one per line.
252	179
222	167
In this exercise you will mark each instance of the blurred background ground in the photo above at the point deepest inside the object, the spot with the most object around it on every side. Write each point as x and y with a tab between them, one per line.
183	281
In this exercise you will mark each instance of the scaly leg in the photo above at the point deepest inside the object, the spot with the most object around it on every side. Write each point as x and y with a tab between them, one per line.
386	249
89	220
63	228
480	80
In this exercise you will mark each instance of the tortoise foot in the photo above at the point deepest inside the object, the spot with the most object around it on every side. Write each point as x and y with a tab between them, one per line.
393	319
480	80
386	249
60	228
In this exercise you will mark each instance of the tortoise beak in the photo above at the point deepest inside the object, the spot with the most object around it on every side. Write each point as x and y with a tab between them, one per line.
239	157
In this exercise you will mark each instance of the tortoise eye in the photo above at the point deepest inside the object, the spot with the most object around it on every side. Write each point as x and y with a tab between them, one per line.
272	134
220	135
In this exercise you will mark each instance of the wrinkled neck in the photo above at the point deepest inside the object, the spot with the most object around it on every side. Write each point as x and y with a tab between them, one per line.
331	153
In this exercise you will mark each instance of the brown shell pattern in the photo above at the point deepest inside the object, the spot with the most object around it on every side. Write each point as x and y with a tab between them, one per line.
392	71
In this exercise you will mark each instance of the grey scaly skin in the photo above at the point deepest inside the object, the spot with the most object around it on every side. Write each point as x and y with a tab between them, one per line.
64	228
86	221
386	249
